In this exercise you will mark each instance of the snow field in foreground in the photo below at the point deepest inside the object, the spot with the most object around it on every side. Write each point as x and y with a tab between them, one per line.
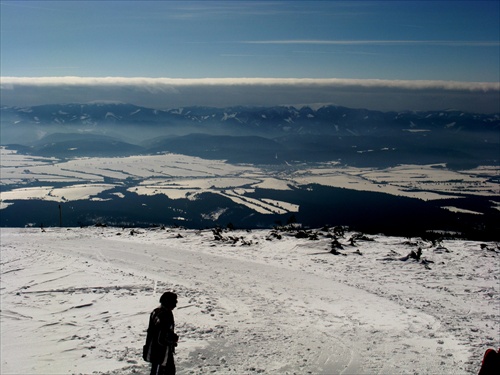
78	300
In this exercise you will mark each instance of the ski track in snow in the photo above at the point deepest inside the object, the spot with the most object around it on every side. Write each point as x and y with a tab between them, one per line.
78	300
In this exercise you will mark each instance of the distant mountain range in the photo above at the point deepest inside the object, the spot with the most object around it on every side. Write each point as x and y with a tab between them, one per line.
271	135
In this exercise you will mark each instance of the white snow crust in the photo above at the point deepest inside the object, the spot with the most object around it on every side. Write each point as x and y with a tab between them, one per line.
77	301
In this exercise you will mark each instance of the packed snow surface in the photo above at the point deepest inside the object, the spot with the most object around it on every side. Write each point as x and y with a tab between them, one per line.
77	301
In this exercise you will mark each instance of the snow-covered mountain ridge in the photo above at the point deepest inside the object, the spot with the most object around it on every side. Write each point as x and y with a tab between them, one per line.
273	135
331	119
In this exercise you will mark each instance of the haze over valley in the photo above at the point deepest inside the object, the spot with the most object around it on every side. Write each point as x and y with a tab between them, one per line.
121	164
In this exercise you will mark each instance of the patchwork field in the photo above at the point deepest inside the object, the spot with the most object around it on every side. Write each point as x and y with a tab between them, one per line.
178	181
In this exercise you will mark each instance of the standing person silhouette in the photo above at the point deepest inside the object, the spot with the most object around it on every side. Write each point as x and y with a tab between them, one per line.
161	339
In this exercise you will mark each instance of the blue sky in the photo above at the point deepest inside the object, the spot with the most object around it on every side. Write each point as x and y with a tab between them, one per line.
355	40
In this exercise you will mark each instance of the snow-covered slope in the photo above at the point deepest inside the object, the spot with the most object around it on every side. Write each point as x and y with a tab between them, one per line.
78	300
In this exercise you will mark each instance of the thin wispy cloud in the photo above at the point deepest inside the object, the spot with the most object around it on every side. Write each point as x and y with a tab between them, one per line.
203	9
449	43
247	55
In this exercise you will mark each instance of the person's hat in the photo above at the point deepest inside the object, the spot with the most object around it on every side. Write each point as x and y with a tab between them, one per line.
168	297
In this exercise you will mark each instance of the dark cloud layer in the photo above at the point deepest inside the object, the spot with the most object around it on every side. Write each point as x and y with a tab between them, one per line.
164	93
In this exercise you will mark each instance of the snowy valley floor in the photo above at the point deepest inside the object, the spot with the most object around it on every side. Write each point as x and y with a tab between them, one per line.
77	301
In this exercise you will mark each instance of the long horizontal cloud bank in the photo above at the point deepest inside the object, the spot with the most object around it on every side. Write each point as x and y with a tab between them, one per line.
221	92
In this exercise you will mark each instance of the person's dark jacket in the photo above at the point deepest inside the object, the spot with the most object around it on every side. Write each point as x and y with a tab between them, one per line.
491	363
161	339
